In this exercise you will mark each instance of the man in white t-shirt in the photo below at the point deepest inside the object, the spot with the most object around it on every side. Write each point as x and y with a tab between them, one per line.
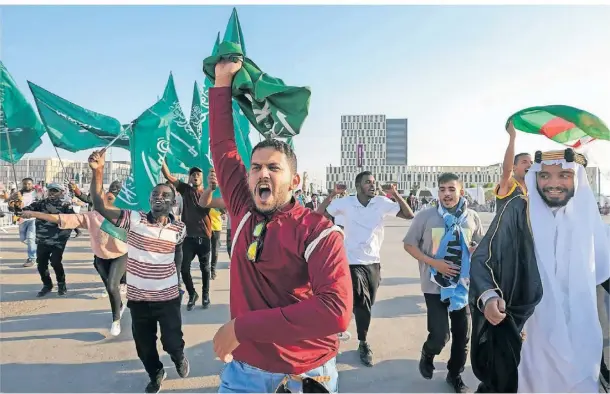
362	219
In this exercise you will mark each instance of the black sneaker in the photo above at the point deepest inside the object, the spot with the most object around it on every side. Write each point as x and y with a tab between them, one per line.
29	263
45	290
205	304
192	301
457	383
183	368
154	386
366	354
426	365
61	289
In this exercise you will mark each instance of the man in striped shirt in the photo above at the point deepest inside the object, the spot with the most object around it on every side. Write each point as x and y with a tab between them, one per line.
152	280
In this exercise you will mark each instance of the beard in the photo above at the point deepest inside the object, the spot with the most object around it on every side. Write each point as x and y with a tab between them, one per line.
279	199
554	203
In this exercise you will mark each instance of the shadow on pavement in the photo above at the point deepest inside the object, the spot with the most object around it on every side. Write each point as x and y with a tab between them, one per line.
399	306
393	376
399	281
23	292
92	336
126	376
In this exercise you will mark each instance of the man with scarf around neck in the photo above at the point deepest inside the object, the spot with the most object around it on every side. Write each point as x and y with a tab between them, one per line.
152	280
51	239
108	245
362	216
533	284
290	288
27	227
514	168
442	240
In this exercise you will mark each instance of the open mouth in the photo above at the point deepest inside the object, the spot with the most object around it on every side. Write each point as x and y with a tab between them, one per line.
555	193
264	192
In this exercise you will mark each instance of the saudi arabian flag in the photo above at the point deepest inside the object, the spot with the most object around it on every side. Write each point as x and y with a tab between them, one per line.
184	141
70	126
20	128
272	107
561	123
149	145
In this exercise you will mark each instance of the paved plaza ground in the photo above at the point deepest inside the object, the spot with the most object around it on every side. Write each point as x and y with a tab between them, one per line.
63	344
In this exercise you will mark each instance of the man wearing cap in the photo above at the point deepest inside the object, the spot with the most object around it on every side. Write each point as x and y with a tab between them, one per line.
51	239
198	234
533	284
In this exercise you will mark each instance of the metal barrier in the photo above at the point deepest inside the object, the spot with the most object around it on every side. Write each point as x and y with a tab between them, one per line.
6	222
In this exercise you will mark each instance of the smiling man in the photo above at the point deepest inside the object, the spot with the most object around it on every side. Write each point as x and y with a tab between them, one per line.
290	286
442	240
152	280
533	284
362	218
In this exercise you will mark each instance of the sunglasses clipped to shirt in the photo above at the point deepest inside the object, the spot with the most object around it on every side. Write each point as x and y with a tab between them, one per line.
258	237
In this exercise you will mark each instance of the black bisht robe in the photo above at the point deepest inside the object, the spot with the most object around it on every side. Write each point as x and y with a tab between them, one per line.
504	260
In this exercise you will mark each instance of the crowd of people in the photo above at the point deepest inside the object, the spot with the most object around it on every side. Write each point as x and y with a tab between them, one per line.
300	268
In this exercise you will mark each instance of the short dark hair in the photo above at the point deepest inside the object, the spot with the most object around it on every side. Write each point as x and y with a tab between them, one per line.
171	187
362	175
27	179
281	147
518	156
448	177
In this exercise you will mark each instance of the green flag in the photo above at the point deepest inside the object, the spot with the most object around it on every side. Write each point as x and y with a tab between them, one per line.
149	144
184	141
272	107
561	123
20	129
290	142
72	127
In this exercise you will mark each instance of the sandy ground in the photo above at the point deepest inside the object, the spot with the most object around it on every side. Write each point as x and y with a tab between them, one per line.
63	345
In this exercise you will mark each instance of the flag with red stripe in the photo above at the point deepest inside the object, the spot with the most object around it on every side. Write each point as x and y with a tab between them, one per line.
561	123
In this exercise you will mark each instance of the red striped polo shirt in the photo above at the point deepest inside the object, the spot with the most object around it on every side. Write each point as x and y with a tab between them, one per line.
151	269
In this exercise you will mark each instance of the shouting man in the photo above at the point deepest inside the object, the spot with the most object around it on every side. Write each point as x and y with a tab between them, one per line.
533	284
152	280
290	287
362	218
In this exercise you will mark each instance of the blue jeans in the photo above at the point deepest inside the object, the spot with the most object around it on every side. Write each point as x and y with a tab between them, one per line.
238	377
27	235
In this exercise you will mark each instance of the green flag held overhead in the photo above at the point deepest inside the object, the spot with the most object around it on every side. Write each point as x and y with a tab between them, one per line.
149	145
272	107
72	127
184	141
290	142
561	123
20	129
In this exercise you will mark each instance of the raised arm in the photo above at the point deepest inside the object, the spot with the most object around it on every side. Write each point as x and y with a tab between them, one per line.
96	162
323	207
230	169
172	179
508	163
405	211
206	200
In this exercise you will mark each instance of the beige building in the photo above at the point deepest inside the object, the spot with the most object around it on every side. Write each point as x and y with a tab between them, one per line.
49	170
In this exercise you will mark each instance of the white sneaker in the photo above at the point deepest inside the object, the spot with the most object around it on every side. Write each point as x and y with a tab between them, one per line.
115	329
123	307
104	293
344	336
123	289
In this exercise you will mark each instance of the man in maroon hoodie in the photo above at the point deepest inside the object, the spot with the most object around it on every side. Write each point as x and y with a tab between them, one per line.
290	288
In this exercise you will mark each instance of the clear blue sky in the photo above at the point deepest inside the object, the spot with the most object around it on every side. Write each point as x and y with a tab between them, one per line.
457	72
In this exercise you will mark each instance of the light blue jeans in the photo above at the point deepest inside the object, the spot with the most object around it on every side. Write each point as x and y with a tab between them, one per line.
238	377
27	235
